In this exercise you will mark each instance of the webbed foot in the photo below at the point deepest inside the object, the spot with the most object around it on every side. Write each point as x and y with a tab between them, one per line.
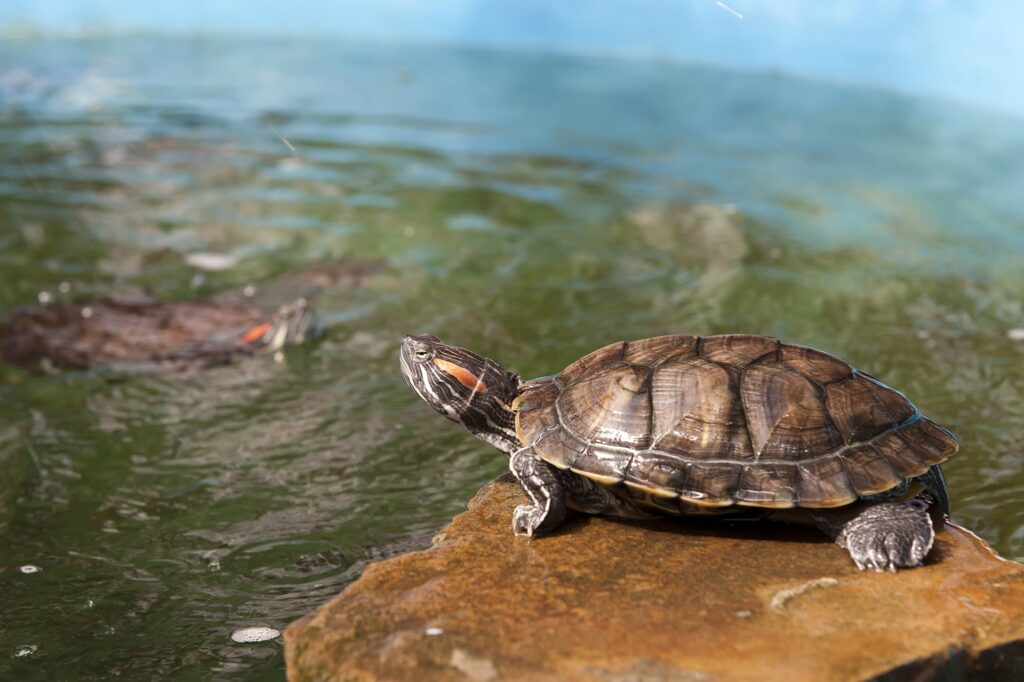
888	536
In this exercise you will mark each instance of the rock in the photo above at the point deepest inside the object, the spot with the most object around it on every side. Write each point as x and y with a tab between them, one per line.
667	600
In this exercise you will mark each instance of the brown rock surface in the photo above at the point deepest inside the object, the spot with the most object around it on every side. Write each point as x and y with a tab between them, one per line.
672	600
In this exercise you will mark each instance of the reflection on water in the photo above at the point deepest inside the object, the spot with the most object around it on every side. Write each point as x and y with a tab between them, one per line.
530	207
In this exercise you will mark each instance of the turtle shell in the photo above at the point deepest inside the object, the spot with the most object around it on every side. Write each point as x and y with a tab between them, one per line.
724	420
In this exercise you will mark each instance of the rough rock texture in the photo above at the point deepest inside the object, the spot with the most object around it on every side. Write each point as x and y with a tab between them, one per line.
673	600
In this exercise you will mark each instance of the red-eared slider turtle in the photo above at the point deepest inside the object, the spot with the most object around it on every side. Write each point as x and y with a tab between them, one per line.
686	425
141	331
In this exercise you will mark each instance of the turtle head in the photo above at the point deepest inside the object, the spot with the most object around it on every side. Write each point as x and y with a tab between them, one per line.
465	387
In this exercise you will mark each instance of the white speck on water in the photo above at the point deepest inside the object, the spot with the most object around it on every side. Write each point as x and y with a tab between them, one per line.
87	312
728	9
278	356
64	287
211	261
1016	334
249	291
290	164
25	650
257	634
409	231
29	569
433	632
45	297
89	604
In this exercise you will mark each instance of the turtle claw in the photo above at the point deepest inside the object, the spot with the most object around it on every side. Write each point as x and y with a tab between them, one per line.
885	537
525	520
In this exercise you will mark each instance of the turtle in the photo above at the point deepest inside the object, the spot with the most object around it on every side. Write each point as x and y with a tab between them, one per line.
142	332
685	425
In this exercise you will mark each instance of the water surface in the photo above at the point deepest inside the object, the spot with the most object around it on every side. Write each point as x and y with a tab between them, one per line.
531	207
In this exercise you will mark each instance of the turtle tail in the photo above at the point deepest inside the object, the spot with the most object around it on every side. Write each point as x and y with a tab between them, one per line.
935	484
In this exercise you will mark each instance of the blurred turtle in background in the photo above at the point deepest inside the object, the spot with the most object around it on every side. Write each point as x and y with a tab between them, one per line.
144	332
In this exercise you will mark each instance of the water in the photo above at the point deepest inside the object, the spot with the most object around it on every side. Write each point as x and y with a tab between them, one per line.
531	207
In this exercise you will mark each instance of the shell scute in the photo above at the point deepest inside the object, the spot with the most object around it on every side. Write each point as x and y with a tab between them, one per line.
709	484
605	356
772	486
862	408
536	393
657	470
611	407
869	470
786	415
737	350
535	411
560	448
697	411
823	483
604	466
929	441
660	349
902	458
814	364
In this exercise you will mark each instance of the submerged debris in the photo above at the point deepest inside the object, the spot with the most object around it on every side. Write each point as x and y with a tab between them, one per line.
23	650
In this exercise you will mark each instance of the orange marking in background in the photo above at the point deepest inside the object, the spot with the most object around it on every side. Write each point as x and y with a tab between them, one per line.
463	375
256	332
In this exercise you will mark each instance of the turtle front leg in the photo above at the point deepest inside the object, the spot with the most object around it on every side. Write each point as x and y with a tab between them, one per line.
880	535
540	481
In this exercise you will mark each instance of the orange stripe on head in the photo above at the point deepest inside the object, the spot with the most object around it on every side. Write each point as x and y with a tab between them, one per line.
462	375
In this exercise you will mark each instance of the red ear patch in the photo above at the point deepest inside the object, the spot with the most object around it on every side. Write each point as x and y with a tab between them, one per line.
462	375
256	332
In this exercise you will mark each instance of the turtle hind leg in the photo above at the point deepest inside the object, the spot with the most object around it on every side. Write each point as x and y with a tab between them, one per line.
880	535
547	496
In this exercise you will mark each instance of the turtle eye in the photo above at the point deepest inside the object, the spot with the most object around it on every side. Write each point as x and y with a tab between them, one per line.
422	353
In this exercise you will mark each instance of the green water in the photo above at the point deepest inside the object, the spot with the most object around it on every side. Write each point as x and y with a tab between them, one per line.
530	207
